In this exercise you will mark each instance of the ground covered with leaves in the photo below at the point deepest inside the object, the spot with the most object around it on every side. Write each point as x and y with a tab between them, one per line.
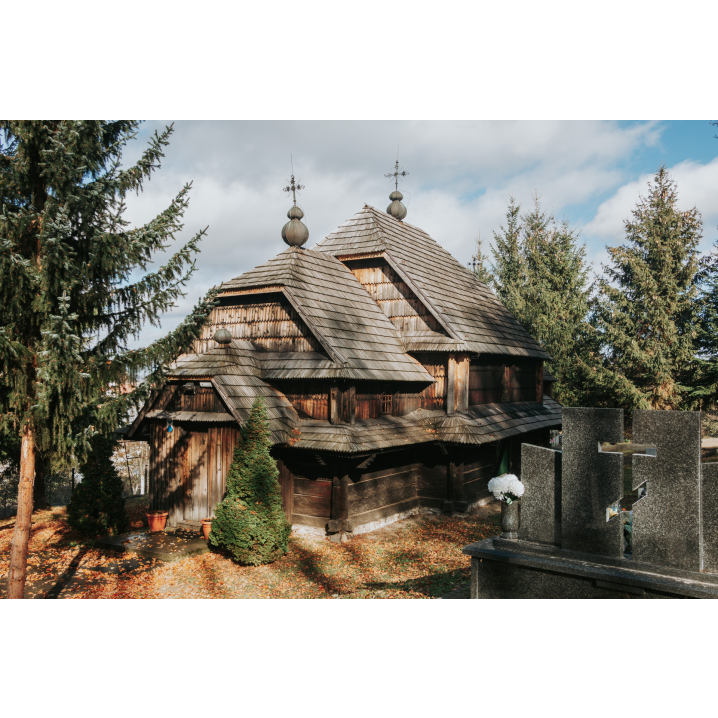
417	558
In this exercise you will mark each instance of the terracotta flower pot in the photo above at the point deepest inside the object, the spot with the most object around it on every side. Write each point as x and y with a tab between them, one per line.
206	527
157	520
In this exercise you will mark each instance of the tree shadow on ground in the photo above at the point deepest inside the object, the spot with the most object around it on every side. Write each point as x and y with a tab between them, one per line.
309	563
433	585
67	575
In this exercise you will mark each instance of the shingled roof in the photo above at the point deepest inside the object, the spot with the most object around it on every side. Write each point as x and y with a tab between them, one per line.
238	370
358	337
235	373
469	311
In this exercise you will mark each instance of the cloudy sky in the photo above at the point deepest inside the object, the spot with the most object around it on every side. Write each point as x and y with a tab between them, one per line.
461	175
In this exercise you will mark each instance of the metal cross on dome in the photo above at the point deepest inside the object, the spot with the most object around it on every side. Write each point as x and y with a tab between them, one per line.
292	187
396	174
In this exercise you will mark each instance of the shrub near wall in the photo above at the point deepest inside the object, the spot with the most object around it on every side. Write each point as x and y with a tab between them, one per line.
250	522
97	507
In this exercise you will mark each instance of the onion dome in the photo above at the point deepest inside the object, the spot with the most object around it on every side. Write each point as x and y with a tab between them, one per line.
295	232
222	336
396	209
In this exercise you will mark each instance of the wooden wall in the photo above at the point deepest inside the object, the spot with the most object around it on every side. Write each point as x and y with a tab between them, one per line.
308	396
352	492
267	320
174	398
396	300
434	395
493	381
188	468
311	487
375	399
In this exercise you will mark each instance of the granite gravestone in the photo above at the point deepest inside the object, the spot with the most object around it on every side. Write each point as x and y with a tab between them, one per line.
592	480
709	516
666	519
675	522
541	502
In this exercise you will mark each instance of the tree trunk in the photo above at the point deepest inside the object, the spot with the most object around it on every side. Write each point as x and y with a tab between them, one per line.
39	496
21	534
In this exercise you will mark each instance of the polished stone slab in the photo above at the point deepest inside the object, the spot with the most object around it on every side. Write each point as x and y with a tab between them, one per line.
709	512
592	480
541	502
666	519
519	569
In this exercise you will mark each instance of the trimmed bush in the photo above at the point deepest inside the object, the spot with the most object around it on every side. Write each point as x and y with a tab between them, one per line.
250	522
97	507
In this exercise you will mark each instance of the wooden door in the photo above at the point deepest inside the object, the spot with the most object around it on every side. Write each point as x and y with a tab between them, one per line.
196	487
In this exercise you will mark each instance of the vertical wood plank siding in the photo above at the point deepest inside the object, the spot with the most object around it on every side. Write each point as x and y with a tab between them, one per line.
434	395
188	469
174	398
493	381
396	300
274	325
539	382
307	396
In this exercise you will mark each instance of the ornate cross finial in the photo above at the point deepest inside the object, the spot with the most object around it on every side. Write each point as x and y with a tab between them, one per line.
396	174
292	187
294	232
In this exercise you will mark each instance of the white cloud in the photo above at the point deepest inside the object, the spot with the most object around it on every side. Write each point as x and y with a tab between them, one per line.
461	176
697	186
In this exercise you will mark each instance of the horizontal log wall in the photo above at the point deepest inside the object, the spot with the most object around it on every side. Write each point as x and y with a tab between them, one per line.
273	324
381	493
397	301
354	492
478	472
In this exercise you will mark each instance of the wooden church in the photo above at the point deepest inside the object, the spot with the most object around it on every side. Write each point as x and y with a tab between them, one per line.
394	381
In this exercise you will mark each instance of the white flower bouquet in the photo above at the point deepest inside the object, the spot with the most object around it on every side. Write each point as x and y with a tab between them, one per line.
507	488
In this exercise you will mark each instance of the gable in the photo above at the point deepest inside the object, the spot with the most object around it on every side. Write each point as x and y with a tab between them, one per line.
468	310
394	297
176	397
269	321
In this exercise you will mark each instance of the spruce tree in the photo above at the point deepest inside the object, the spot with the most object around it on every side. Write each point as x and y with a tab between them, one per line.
542	277
704	385
70	294
508	271
250	522
97	506
478	264
646	312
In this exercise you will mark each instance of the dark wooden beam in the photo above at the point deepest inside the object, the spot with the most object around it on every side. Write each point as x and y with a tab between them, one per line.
335	405
352	404
451	386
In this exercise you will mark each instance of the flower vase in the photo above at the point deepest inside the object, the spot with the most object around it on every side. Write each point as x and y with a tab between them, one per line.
510	520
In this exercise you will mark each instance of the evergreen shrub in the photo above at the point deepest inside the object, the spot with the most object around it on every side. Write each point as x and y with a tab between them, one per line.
250	522
97	507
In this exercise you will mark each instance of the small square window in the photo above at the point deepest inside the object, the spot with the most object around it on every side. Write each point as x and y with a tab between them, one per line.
386	403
